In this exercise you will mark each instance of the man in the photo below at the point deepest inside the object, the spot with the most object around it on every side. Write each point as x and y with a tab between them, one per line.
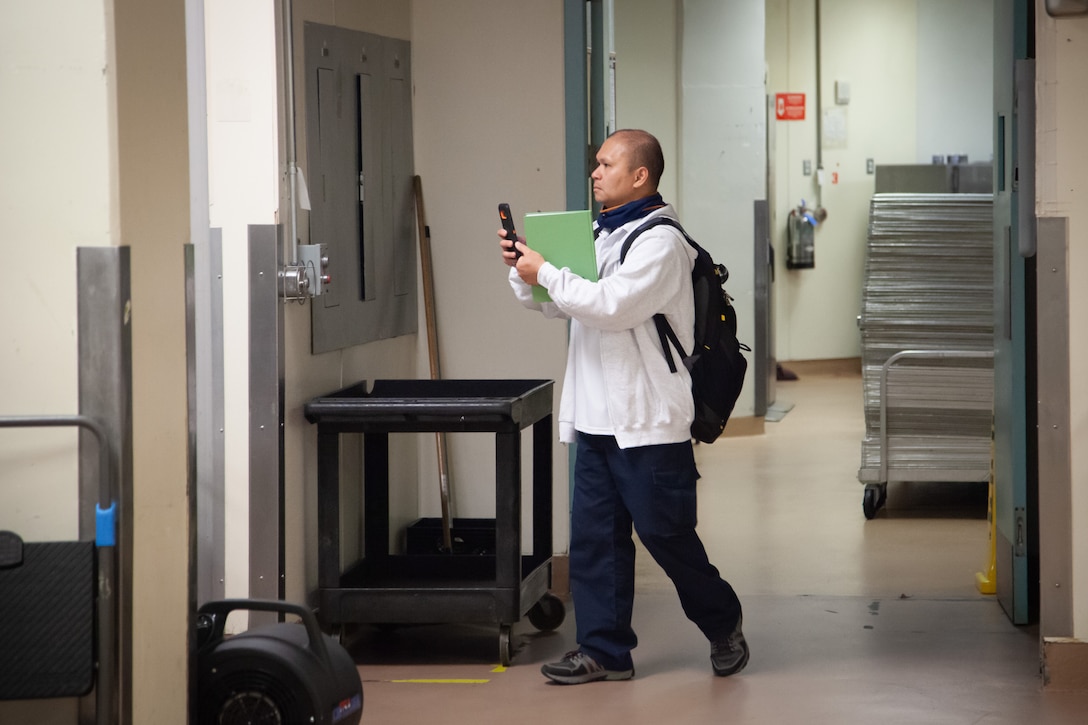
631	419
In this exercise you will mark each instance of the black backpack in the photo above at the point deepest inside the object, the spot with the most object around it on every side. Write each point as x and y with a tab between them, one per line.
716	364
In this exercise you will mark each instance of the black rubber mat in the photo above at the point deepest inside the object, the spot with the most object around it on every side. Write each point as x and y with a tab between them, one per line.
47	621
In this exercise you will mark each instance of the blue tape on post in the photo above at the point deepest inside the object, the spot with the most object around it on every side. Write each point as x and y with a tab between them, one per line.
105	533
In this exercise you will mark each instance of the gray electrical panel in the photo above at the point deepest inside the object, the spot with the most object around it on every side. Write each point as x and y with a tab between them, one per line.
359	175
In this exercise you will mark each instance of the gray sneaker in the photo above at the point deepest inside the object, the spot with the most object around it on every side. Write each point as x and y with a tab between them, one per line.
729	655
577	668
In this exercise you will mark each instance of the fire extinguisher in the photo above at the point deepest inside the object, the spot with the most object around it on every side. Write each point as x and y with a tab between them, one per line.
803	221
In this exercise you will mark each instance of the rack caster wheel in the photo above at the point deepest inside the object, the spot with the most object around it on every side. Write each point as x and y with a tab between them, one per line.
872	500
548	613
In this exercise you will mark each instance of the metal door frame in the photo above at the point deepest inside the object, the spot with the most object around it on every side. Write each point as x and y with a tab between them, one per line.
1015	479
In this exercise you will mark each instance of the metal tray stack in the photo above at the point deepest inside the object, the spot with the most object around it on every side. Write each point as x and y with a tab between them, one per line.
927	339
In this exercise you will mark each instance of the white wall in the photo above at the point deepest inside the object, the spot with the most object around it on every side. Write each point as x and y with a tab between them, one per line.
955	79
791	54
723	130
243	168
920	77
871	46
647	42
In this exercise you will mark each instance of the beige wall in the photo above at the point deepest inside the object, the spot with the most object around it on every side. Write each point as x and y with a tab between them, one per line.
488	127
97	155
468	161
153	175
1061	178
307	376
57	193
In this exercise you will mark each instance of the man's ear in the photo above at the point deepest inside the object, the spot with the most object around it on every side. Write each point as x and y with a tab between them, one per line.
642	176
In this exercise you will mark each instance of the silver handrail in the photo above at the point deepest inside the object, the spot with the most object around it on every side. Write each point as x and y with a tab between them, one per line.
105	488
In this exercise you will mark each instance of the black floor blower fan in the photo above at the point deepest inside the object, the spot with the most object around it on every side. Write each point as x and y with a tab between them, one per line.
283	674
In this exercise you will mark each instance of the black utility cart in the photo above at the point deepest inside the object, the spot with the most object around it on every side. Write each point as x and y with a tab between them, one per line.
490	584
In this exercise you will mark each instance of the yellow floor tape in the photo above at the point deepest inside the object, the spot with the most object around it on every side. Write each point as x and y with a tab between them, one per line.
442	682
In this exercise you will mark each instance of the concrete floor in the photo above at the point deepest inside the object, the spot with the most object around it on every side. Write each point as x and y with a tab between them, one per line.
849	620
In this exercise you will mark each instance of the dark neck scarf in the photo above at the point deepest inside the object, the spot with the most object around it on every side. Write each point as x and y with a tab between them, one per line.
617	216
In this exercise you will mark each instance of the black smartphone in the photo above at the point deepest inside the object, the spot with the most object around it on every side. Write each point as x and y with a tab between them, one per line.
507	220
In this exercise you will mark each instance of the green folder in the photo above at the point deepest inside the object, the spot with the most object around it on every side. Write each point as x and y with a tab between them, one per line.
564	238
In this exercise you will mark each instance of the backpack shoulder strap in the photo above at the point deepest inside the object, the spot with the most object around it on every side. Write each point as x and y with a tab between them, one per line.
664	329
666	334
649	224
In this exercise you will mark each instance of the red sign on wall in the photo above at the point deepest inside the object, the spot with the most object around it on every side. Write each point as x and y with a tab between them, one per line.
789	106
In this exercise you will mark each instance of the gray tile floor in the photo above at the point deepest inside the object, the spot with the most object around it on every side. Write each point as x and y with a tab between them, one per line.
850	621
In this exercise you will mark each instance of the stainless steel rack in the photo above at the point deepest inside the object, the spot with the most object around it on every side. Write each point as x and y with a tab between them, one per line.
927	341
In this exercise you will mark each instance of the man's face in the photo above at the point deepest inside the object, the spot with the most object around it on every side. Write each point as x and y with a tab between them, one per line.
614	181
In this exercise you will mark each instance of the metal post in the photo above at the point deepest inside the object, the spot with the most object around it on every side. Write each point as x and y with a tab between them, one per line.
206	418
763	359
105	394
1056	501
266	552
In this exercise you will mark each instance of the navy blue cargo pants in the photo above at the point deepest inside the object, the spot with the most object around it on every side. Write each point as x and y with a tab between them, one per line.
653	489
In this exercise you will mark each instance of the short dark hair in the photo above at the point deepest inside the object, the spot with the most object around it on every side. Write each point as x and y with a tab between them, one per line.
644	150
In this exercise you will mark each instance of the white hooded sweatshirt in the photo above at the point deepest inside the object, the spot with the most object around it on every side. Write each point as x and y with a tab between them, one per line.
646	403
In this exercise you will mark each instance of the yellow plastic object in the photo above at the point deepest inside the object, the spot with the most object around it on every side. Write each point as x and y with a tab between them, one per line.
986	581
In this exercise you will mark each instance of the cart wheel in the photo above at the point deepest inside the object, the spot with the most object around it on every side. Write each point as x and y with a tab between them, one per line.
871	501
548	613
336	631
345	633
506	645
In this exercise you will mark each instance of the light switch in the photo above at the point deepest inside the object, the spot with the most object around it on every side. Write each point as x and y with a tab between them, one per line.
842	93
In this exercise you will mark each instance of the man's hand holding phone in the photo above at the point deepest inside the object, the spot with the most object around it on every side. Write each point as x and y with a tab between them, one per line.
527	262
509	235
